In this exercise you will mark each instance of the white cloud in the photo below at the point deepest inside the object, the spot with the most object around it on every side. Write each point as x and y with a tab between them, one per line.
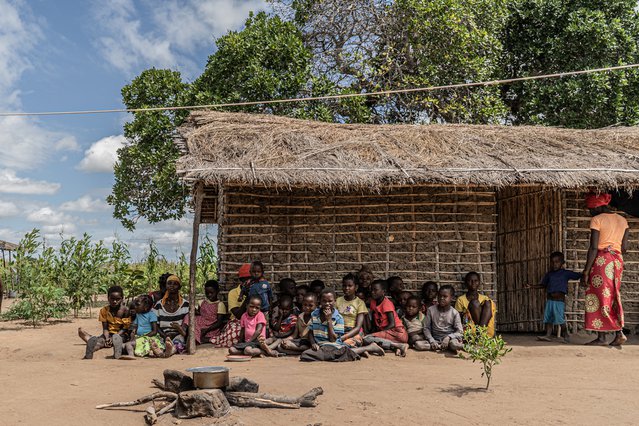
10	183
8	209
85	204
48	216
24	143
177	28
102	155
177	237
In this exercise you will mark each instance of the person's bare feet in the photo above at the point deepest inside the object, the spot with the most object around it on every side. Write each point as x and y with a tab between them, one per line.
597	342
401	351
170	348
566	339
375	349
619	340
83	335
364	354
157	352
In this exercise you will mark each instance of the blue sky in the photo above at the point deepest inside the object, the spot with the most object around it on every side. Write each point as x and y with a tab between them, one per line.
55	172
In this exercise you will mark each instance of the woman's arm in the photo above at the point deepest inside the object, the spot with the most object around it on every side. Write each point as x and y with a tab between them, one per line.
359	322
391	320
592	254
624	241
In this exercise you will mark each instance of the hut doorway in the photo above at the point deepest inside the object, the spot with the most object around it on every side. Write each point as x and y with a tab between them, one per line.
529	228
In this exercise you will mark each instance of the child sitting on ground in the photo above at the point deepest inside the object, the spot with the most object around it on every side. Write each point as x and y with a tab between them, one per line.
429	295
442	327
556	284
210	316
317	286
402	300
298	342
414	321
395	288
253	332
300	293
389	333
354	311
145	340
283	322
286	287
115	321
475	308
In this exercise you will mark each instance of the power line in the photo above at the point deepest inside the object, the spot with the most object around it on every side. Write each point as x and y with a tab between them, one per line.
328	97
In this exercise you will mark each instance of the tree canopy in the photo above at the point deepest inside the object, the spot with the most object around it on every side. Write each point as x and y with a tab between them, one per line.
306	48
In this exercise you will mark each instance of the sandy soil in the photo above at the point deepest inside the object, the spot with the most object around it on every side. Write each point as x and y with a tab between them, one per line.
43	380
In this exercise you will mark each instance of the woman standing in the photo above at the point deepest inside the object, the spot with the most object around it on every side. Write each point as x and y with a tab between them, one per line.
604	267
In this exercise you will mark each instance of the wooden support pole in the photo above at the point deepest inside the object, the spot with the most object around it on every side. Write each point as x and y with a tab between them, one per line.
198	195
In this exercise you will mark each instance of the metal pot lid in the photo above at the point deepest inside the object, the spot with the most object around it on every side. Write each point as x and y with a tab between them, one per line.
208	370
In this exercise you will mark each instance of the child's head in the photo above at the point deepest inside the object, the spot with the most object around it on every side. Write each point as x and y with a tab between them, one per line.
300	292
286	305
557	260
429	290
162	281
173	284
472	281
364	294
254	306
378	289
413	305
309	303
327	299
257	269
211	289
349	286
403	298
364	277
287	286
143	304
115	294
317	286
395	285
445	295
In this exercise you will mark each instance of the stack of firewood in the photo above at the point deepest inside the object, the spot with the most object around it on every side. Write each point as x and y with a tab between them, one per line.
178	395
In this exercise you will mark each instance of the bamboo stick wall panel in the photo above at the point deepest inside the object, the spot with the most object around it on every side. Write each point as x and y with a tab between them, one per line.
529	229
419	233
577	238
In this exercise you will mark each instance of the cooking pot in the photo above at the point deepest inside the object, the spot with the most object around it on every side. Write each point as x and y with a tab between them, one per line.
210	377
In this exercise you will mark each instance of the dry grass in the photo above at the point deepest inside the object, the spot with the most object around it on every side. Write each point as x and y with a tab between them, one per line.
250	149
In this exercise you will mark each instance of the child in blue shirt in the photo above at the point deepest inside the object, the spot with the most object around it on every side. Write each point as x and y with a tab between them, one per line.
556	284
258	286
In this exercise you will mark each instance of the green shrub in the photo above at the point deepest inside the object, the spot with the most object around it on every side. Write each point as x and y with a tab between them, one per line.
485	349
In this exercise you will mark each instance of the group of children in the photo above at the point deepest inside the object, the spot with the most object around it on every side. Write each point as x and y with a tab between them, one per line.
370	317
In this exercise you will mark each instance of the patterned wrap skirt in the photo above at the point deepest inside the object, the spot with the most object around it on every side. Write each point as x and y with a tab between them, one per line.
603	297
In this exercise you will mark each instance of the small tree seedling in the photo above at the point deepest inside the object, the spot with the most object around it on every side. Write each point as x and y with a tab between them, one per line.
485	349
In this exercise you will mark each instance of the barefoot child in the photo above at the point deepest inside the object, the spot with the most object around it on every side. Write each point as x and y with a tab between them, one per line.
253	332
395	288
429	295
556	284
389	333
476	308
354	311
145	340
300	292
298	342
443	327
414	323
115	321
210	316
283	323
403	297
171	311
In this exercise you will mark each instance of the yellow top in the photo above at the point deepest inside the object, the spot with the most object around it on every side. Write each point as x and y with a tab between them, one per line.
233	301
462	306
350	309
115	324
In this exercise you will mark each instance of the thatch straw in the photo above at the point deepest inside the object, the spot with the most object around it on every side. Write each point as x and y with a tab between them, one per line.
246	149
5	245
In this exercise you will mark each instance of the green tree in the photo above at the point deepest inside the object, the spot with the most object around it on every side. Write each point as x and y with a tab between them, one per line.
548	36
146	184
487	350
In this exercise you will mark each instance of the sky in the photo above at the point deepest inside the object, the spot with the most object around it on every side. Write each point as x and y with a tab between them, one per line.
56	171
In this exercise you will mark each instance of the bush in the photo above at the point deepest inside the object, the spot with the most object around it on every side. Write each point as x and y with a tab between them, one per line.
485	349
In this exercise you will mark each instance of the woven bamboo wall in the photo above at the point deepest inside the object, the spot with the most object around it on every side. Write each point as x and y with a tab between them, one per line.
577	236
419	233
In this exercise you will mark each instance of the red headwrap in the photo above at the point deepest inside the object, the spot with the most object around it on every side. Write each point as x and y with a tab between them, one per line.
245	271
597	200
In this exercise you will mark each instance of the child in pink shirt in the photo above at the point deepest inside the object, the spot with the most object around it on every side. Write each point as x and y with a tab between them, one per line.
253	332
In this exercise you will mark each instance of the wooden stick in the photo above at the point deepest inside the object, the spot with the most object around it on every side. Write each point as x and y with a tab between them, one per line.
198	194
139	401
150	417
168	408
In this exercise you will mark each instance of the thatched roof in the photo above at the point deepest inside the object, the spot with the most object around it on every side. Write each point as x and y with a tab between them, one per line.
247	149
5	245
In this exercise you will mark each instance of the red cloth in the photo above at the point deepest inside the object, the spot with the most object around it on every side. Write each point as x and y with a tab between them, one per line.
603	297
379	313
397	335
597	200
245	271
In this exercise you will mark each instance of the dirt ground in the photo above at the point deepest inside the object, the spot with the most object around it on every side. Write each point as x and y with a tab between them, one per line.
44	381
